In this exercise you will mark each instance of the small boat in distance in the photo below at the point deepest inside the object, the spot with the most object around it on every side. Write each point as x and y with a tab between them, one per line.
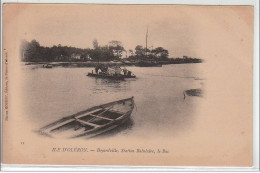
47	66
91	122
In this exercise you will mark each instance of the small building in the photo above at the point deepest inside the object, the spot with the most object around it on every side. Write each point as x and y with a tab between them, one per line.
75	56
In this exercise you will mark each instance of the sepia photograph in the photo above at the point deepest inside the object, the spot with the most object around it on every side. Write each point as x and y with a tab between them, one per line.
119	60
127	84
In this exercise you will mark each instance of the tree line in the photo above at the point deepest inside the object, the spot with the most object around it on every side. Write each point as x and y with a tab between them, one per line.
33	52
142	53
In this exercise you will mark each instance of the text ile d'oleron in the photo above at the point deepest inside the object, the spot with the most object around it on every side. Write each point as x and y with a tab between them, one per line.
112	150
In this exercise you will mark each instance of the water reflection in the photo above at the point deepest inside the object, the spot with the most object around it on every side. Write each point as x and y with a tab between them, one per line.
107	85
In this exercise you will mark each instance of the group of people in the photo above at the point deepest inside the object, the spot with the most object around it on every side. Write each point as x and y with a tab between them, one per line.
113	71
102	69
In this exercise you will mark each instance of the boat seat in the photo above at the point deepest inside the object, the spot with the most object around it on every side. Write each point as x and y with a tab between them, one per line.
83	115
87	123
102	117
96	110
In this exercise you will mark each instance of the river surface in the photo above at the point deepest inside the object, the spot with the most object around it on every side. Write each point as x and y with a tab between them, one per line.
50	94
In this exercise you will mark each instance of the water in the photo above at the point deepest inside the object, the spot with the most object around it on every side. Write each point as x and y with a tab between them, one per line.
50	94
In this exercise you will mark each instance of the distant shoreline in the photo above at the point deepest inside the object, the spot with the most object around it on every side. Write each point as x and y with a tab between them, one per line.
94	64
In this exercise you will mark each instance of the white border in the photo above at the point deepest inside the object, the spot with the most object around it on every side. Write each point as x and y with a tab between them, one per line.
176	2
98	168
256	88
255	167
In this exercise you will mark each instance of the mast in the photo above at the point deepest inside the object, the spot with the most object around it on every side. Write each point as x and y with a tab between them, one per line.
146	42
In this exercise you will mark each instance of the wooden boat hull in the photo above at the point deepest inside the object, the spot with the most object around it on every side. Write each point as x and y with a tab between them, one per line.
129	77
91	122
122	77
106	76
107	128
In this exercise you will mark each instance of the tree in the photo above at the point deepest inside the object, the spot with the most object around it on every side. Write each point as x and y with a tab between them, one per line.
131	52
161	53
139	51
117	48
95	44
23	49
32	51
102	53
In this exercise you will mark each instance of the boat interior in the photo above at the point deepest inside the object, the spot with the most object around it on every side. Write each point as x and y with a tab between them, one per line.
89	121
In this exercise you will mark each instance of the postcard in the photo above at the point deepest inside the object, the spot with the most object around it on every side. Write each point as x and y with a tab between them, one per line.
127	85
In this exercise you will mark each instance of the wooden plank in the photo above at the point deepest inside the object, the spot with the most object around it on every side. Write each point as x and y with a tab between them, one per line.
94	116
88	113
101	117
70	120
87	123
105	111
83	115
60	124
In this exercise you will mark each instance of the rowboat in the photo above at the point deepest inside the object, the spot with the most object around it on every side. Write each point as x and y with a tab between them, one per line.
47	66
91	122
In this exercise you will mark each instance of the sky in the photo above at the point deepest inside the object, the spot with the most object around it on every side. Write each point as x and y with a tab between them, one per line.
182	30
78	25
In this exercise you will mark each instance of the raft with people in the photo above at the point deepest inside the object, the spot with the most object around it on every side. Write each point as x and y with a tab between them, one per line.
116	73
